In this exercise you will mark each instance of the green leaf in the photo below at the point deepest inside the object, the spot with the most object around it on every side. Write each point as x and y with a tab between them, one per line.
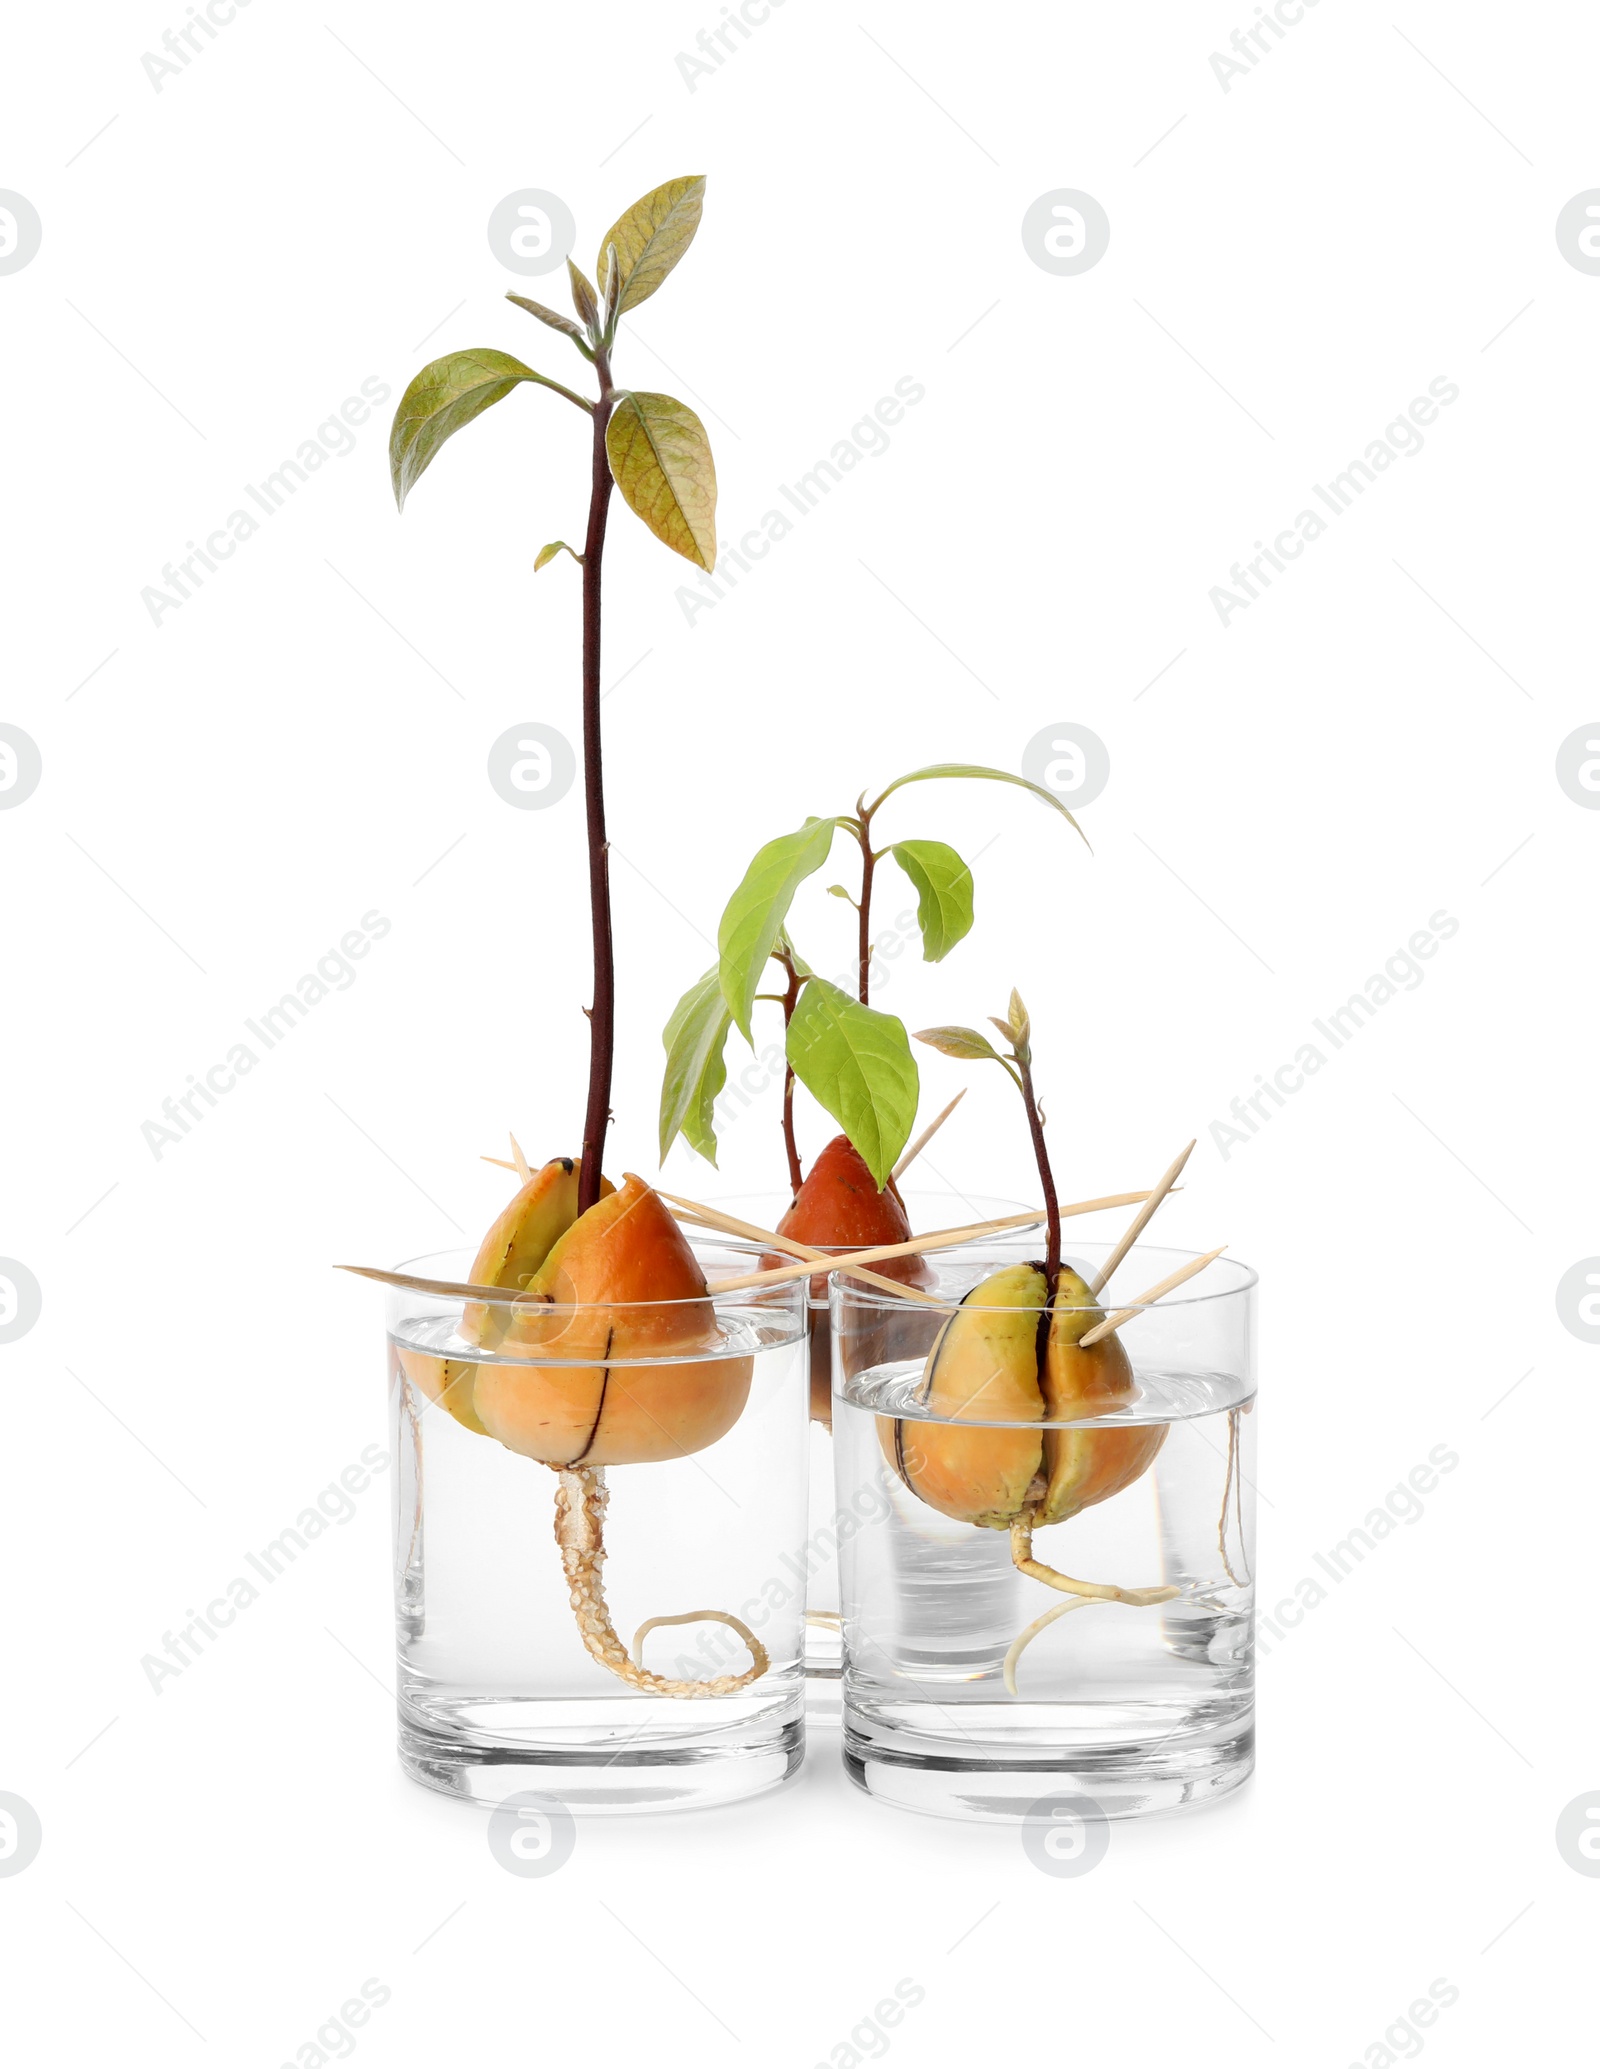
652	236
942	769
944	894
446	394
965	1044
661	461
858	1065
752	921
802	969
546	554
584	299
694	1038
556	321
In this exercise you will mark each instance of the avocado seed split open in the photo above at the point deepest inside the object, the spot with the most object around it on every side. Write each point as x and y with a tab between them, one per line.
617	1283
1007	1372
1029	1346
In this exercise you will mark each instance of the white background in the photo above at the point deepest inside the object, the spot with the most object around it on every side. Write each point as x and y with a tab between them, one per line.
225	795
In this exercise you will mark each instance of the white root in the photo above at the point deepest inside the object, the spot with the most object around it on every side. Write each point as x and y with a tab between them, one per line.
1092	1590
1024	1639
412	1417
1083	1592
581	1500
1233	1484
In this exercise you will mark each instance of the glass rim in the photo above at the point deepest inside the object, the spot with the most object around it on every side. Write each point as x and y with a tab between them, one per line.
772	1295
866	1296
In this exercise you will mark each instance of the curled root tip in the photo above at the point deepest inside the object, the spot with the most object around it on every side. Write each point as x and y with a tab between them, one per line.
757	1651
581	1497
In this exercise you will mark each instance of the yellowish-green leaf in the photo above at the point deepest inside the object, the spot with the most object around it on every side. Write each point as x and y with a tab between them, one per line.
446	394
546	554
555	319
1015	1027
661	461
652	236
963	1043
584	299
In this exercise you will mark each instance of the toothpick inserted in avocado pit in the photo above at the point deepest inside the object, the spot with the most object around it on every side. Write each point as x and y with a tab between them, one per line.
1141	1221
1150	1295
730	1225
936	1239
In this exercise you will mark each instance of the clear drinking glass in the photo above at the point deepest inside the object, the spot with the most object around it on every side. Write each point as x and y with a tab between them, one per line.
498	1691
1135	1707
818	1550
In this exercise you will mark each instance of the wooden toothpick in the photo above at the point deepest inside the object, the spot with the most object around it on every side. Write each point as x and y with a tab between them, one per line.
1141	1220
1151	1293
846	1260
452	1289
927	1136
730	1225
943	1239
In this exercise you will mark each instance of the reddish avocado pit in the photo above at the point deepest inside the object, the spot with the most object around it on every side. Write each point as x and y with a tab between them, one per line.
839	1207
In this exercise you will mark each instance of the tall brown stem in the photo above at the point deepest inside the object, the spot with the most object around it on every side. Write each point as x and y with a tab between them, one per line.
602	1014
1052	1207
791	1148
864	910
